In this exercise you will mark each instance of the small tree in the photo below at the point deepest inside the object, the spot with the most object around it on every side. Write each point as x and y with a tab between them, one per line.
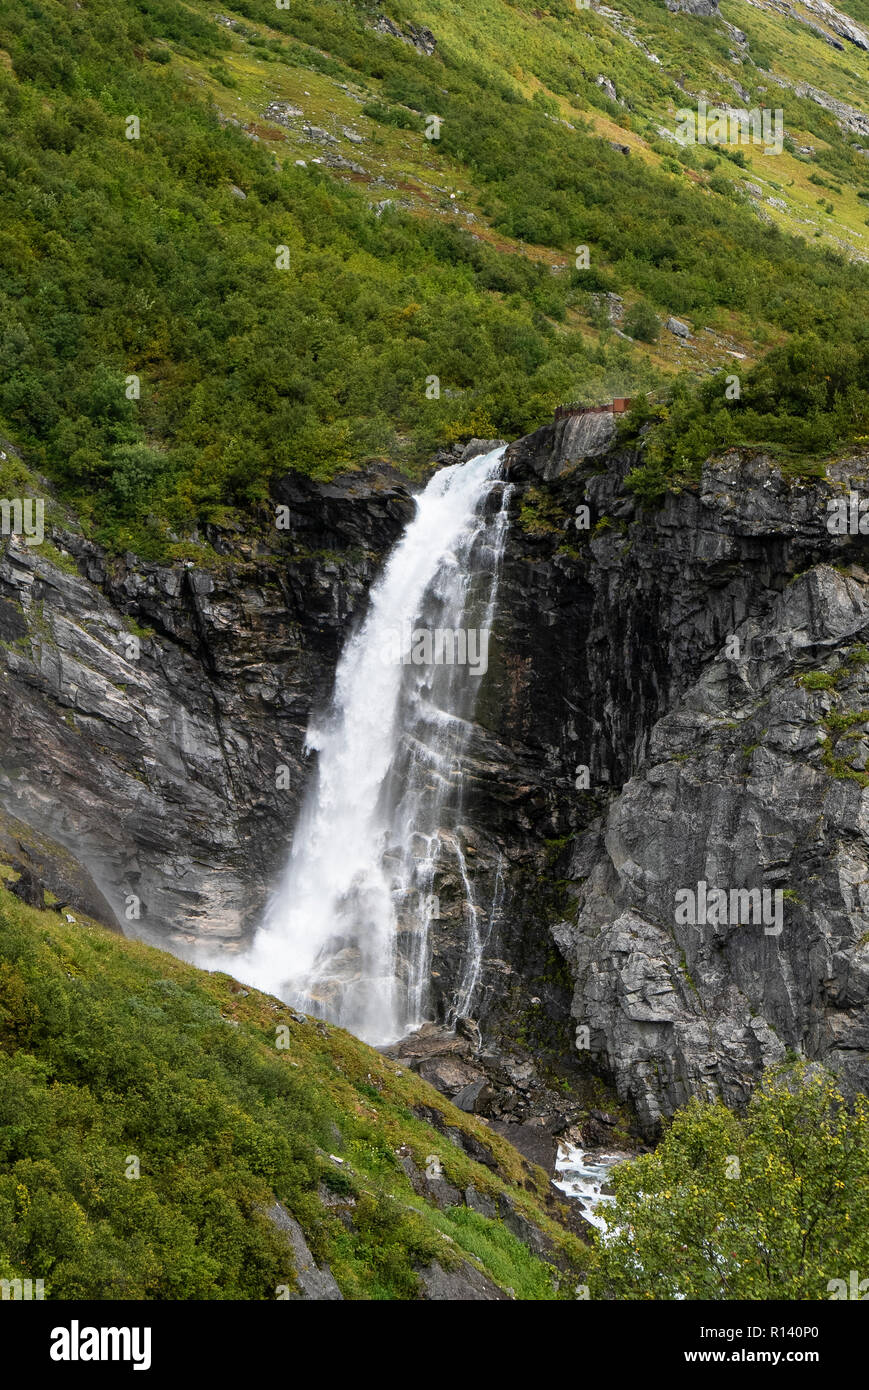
773	1204
641	321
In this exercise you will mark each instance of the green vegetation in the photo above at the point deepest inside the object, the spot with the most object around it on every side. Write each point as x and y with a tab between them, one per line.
111	1050
138	258
820	680
839	729
641	322
540	513
804	400
773	1204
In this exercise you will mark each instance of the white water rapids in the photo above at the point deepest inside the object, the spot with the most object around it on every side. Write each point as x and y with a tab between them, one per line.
346	936
585	1178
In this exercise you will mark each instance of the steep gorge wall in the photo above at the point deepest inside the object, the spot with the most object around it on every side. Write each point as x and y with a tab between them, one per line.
156	777
743	771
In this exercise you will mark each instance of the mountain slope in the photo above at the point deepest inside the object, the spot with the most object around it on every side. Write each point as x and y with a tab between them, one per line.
164	360
152	1116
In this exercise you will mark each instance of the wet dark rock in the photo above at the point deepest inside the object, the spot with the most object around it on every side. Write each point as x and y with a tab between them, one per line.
28	888
469	1028
704	765
553	450
530	1235
442	1193
477	1150
469	1143
56	869
534	1142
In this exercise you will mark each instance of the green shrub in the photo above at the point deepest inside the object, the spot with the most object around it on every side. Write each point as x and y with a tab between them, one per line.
803	401
641	321
391	115
772	1204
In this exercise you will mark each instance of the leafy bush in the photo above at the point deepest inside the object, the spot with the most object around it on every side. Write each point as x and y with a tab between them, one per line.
641	321
391	115
803	401
773	1204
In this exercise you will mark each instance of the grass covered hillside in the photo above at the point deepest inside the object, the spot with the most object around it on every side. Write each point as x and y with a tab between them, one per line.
149	1122
229	248
116	1058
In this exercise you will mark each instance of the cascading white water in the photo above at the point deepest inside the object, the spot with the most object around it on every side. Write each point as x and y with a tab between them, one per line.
586	1178
347	934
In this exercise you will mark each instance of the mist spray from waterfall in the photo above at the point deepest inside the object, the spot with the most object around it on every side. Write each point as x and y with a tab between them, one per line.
347	934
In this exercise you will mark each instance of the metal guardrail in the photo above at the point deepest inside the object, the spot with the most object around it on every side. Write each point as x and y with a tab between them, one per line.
615	407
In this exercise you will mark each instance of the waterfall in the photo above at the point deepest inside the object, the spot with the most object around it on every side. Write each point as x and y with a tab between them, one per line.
347	935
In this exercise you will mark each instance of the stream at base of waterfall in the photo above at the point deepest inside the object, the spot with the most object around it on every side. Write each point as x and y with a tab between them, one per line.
585	1176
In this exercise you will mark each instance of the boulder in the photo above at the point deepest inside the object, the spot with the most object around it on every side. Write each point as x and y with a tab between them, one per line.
451	1075
479	1202
28	888
474	1096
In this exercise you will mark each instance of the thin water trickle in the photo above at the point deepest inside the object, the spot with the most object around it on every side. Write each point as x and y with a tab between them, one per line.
347	935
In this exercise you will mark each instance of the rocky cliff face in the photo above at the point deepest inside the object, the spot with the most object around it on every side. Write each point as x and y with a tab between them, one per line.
714	655
676	697
153	718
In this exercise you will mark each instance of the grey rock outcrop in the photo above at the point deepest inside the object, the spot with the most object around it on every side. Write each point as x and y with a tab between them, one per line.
416	35
550	452
607	86
833	19
313	1283
464	1284
283	113
737	35
737	792
701	8
152	775
849	118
